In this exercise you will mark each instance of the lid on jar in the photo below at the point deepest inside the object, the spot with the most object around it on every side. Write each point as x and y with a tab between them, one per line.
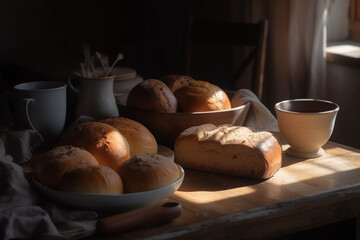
123	73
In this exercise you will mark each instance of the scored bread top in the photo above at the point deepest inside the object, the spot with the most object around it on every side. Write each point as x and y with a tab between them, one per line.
103	141
201	96
152	95
144	172
226	134
139	137
51	165
176	81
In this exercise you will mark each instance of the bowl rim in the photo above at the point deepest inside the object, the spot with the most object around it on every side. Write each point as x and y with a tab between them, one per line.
185	113
335	109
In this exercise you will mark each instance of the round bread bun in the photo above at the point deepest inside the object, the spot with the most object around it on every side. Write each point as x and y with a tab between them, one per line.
201	96
103	141
139	138
91	179
145	172
51	165
152	95
176	81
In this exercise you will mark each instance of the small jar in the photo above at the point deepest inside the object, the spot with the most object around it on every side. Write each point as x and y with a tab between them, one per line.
125	80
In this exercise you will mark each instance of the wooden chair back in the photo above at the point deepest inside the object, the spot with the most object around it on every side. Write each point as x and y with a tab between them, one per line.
251	35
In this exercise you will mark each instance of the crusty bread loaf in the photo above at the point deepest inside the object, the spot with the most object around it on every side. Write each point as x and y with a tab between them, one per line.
51	165
152	95
139	138
227	149
176	81
145	172
91	179
201	96
103	141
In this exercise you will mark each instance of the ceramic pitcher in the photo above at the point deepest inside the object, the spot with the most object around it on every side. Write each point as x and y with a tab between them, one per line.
96	97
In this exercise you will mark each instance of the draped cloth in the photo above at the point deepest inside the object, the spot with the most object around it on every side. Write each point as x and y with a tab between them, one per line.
258	118
24	214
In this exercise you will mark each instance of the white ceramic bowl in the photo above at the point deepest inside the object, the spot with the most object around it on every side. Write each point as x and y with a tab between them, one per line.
110	203
113	203
306	125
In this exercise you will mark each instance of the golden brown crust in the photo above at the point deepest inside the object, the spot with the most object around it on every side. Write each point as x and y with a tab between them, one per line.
145	172
103	141
139	138
51	165
91	179
227	149
201	96
176	81
152	95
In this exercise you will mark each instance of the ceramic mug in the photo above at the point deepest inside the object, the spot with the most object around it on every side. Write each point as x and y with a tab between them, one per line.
40	106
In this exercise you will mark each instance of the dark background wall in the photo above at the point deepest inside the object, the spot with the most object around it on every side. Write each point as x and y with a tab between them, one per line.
44	39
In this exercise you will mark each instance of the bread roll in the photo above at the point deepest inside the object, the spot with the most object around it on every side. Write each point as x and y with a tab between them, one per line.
91	179
176	81
226	149
51	165
152	95
103	141
139	138
201	96
145	172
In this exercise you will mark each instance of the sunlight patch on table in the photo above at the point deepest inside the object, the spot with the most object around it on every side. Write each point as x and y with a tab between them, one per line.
304	171
203	197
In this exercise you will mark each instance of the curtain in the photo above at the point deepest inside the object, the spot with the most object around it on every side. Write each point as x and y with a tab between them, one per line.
295	64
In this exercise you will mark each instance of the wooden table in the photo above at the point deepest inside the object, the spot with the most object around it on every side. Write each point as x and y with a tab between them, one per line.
303	194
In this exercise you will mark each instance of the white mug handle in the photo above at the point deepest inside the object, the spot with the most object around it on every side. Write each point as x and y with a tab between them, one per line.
74	89
26	105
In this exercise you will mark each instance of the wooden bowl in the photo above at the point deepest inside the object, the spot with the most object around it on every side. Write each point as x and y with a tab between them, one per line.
167	126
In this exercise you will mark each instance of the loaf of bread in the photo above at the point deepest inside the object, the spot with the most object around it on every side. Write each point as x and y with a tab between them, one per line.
51	165
227	149
144	172
201	96
176	81
139	138
103	141
152	95
91	179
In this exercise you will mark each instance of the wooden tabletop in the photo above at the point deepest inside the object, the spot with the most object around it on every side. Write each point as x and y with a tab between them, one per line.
303	194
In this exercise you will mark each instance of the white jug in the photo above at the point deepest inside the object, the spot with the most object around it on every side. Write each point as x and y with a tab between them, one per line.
96	97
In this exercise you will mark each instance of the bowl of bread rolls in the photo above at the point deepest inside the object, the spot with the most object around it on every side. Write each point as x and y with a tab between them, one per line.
173	103
107	165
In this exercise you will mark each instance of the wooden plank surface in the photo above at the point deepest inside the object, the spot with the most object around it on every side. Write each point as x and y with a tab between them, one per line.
304	193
